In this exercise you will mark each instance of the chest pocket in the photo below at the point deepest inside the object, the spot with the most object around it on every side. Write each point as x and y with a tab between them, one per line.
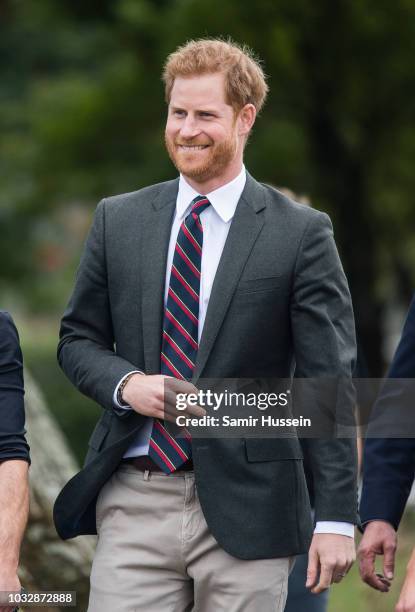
258	284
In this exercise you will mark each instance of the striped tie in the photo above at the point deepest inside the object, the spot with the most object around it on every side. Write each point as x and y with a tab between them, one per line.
180	331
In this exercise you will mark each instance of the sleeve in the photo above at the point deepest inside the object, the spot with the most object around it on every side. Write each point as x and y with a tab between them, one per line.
389	463
325	351
13	444
86	350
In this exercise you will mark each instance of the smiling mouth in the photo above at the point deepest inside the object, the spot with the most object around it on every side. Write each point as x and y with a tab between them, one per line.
192	147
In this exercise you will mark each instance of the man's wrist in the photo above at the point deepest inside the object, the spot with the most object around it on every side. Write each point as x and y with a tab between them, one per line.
125	383
8	570
118	399
377	521
9	562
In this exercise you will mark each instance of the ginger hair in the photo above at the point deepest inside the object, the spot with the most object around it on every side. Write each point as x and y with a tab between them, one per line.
244	78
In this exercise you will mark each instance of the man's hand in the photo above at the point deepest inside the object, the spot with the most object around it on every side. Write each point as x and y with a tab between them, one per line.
379	538
9	581
406	601
155	396
329	559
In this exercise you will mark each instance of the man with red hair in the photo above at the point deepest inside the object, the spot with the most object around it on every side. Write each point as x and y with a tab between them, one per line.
210	275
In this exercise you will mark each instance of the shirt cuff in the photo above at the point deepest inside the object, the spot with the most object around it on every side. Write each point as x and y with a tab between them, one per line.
337	527
114	397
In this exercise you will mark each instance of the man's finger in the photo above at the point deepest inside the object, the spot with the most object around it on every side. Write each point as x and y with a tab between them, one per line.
342	569
326	577
367	571
337	577
389	561
171	407
312	569
384	580
190	410
340	572
170	402
180	386
194	411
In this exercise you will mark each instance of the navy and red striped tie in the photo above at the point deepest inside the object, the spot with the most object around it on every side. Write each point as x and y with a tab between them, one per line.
180	330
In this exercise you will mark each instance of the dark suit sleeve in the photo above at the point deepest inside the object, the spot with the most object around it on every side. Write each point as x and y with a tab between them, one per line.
389	463
86	350
325	351
13	443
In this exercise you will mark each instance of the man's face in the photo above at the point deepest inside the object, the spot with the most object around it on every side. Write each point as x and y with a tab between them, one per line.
201	131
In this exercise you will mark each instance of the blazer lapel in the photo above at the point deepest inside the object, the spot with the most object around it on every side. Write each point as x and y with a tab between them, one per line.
156	236
245	228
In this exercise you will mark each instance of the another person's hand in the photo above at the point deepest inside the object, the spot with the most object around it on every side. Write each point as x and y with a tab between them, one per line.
379	538
154	395
9	581
406	601
329	559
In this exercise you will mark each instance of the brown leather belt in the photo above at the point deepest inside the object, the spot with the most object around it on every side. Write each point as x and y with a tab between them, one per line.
146	463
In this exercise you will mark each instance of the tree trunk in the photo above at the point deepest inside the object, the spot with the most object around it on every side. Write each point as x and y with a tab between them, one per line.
48	563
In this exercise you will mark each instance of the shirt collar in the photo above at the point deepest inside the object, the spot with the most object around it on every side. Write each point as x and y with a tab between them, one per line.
224	199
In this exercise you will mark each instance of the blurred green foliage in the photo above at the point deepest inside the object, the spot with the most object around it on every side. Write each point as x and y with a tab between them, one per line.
82	114
82	117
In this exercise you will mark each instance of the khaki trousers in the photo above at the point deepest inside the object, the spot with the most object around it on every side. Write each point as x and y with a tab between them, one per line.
155	553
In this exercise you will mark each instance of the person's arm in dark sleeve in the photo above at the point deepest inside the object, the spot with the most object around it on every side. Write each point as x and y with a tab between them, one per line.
389	463
14	455
13	443
86	348
325	351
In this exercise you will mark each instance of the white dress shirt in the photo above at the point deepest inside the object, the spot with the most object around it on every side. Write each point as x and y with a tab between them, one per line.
216	220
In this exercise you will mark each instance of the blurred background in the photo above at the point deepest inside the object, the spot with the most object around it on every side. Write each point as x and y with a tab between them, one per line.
82	117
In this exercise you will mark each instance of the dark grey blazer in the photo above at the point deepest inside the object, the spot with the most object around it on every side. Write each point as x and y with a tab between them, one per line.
279	294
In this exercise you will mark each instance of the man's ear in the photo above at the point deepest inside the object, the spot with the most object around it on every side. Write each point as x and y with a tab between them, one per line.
246	119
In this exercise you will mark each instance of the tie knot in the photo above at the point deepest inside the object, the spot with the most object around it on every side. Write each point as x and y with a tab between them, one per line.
199	204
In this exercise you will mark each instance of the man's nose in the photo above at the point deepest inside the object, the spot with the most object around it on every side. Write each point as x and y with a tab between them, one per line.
189	127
